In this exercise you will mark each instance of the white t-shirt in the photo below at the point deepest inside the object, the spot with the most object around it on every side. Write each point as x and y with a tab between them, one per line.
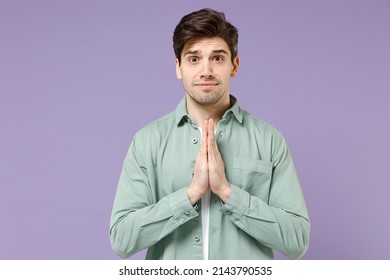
205	204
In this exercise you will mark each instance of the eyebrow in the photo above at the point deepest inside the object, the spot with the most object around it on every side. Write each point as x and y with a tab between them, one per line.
190	52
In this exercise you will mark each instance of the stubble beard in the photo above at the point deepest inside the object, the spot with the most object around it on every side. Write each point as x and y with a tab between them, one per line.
205	98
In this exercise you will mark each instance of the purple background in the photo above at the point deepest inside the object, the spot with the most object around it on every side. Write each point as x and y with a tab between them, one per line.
79	78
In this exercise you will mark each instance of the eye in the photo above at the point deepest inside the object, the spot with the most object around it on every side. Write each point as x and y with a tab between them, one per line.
218	58
193	59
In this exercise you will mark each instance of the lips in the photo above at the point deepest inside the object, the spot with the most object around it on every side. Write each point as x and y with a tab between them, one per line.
206	84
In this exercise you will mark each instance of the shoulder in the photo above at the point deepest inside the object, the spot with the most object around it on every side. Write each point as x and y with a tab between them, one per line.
259	126
156	129
266	136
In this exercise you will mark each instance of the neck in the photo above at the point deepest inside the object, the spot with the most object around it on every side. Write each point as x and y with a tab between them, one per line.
199	113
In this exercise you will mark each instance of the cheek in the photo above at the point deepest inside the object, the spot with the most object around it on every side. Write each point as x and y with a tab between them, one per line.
187	82
226	76
187	76
185	79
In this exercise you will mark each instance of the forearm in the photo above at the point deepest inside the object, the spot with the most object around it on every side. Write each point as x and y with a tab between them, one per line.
132	230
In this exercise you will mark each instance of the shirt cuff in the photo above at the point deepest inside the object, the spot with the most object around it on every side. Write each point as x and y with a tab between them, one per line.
237	204
241	203
181	206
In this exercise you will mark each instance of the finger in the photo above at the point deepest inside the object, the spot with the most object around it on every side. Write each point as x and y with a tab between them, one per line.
211	150
209	136
211	129
204	138
213	141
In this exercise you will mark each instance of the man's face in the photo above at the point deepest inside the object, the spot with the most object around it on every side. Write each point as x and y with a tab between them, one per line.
206	68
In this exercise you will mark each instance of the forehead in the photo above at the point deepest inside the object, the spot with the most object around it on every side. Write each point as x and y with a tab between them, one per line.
206	45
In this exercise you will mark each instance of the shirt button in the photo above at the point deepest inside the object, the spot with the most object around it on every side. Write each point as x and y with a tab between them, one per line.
194	140
228	213
197	238
187	213
220	134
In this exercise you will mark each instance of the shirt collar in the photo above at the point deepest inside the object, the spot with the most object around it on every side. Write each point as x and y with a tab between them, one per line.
182	115
235	109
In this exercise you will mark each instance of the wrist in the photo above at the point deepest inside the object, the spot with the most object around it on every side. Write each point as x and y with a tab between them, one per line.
193	194
224	192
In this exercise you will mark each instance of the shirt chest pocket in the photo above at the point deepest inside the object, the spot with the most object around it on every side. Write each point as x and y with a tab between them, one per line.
252	175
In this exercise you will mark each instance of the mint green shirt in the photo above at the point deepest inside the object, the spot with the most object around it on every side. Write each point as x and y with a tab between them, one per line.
266	210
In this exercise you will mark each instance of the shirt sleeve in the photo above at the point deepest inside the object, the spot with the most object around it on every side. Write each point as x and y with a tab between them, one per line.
282	223
138	221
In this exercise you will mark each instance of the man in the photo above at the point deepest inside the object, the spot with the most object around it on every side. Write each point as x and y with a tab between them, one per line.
208	180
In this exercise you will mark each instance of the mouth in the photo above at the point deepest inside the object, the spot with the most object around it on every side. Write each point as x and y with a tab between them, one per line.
206	84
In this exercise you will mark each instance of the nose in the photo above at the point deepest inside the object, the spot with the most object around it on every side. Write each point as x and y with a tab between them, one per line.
207	70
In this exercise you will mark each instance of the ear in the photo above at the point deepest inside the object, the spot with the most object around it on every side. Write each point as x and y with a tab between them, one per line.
178	70
236	64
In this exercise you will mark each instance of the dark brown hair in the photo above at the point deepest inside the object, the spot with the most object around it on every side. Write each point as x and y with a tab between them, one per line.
204	23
